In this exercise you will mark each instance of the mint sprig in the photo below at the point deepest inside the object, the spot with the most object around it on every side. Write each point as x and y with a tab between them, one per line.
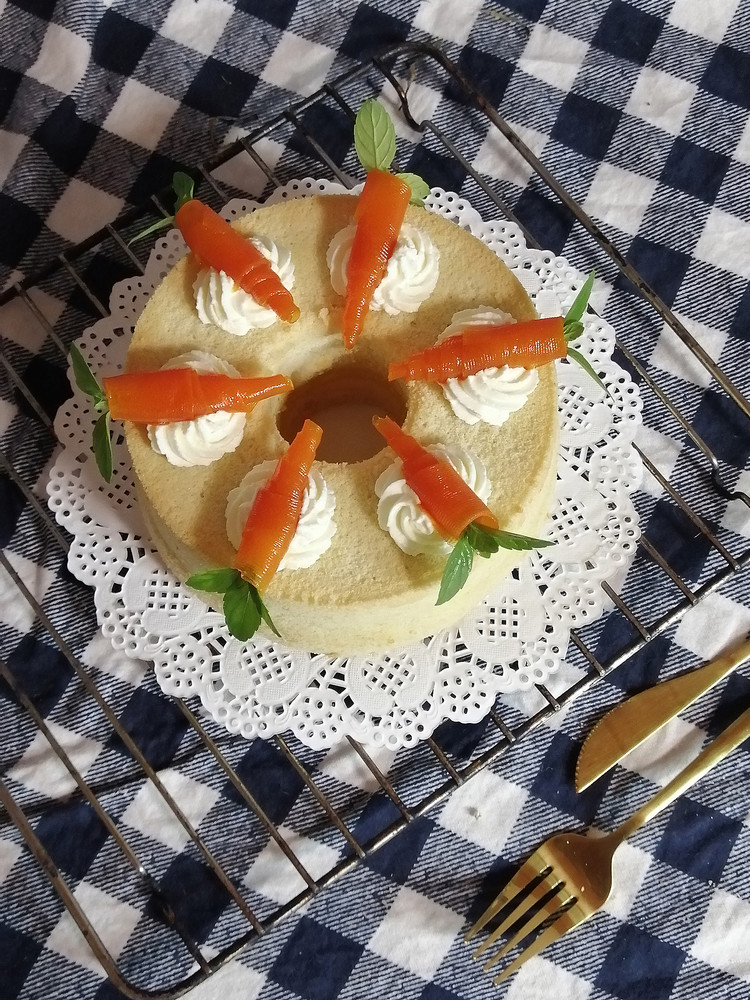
375	144
102	445
243	606
88	384
482	541
374	136
419	188
85	378
183	186
584	362
573	327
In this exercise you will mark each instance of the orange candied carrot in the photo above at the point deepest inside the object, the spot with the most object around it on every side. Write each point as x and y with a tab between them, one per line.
275	513
171	394
380	212
521	345
216	244
448	501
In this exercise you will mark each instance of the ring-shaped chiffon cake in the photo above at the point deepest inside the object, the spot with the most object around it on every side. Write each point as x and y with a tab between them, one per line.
363	594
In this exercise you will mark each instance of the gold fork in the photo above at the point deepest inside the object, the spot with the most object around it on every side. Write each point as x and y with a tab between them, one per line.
569	877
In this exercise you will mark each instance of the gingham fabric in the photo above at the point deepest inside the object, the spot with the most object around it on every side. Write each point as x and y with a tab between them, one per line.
640	109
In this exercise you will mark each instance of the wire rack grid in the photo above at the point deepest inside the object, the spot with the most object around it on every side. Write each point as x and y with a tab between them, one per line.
419	778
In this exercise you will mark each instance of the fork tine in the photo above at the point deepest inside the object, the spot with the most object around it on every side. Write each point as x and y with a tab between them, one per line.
549	884
552	933
495	906
552	906
510	891
568	917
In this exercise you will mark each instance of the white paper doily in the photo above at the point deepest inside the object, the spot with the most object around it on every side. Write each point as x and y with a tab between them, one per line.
518	637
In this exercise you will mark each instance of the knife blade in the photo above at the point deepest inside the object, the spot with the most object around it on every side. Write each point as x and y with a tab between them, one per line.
626	726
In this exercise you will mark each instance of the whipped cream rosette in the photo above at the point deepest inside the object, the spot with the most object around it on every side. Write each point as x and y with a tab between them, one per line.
399	510
220	301
208	437
410	277
490	395
316	526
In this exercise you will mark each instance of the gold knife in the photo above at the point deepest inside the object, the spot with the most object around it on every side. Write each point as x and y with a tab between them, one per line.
626	726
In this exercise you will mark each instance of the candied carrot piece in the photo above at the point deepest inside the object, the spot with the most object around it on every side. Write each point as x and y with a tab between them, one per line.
448	501
216	244
380	212
521	345
275	513
171	394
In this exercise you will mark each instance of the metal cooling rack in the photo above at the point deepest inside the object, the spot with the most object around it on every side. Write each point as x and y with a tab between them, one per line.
305	127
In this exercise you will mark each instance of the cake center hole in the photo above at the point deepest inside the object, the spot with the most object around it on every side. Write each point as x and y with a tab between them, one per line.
343	401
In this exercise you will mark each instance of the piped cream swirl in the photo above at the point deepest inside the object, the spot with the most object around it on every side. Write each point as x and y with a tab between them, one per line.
205	439
490	395
399	510
410	277
316	525
220	301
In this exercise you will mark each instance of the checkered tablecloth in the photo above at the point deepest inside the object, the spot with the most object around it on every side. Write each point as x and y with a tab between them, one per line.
640	109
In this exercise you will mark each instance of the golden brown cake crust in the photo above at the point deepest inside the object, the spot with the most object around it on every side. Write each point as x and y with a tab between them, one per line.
363	593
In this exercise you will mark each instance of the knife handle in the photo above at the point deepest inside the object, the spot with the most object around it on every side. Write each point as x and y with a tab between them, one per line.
725	742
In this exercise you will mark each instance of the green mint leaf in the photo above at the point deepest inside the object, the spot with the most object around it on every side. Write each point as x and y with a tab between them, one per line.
103	447
576	311
482	539
216	581
510	540
572	330
485	542
243	606
241	609
184	188
419	188
586	365
374	136
85	378
263	611
101	441
457	569
153	228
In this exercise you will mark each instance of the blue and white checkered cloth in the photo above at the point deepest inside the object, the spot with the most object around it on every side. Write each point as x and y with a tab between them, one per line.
640	109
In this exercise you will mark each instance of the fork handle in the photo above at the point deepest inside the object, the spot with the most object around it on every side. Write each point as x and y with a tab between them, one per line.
727	741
